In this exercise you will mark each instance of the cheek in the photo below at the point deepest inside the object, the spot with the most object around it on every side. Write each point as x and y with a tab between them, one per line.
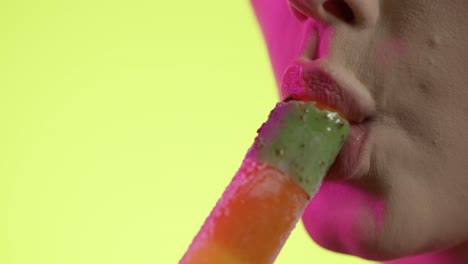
390	51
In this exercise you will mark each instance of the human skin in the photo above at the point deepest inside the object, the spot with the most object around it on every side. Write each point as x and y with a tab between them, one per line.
410	205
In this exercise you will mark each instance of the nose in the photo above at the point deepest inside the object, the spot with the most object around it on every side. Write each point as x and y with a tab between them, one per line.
359	13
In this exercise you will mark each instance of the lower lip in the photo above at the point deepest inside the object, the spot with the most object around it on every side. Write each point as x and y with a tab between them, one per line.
354	159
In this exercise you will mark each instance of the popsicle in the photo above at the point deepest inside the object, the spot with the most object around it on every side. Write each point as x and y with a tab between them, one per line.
280	173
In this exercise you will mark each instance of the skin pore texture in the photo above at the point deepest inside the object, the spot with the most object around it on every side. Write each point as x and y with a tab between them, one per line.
410	206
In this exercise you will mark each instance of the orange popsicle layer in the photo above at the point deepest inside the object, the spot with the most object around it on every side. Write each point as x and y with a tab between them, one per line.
280	173
252	220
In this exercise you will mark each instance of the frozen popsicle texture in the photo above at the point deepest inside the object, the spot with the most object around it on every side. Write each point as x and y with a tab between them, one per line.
268	194
301	140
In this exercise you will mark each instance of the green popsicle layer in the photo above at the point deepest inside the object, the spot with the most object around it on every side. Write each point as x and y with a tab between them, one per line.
301	140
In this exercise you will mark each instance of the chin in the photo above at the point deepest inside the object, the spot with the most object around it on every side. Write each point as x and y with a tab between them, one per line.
346	219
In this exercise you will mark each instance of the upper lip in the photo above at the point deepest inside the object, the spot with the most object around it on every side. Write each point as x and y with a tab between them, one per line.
317	80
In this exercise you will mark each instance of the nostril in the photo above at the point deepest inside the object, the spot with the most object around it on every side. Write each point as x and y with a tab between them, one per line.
339	9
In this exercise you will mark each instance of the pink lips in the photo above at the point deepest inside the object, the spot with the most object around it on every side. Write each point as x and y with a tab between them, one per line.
312	83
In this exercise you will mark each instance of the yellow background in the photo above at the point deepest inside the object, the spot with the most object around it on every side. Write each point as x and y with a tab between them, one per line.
121	124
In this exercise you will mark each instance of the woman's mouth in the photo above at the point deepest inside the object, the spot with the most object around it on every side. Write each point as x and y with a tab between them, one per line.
310	81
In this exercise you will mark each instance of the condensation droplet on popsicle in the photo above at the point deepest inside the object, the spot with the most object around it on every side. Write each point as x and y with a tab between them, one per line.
331	116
